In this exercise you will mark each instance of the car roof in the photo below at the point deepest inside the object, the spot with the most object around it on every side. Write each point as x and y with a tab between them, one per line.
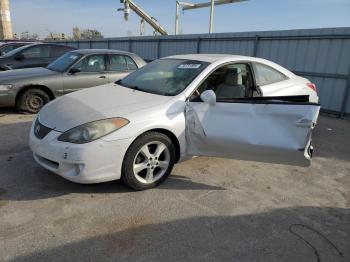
40	43
16	42
211	58
222	58
100	51
19	42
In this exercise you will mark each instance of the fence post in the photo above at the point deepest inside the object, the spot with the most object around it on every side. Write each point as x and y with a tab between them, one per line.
256	45
198	45
90	44
346	96
108	44
78	44
158	48
130	45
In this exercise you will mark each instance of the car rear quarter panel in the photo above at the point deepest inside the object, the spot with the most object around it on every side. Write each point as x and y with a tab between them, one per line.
292	87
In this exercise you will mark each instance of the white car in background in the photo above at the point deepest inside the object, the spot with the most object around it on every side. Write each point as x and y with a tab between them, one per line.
175	108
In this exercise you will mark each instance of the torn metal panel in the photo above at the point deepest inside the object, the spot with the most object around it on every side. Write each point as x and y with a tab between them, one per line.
269	132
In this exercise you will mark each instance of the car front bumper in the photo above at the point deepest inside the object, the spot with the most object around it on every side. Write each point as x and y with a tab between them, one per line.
94	162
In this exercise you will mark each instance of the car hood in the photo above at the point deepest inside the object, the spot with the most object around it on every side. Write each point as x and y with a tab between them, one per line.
96	103
18	74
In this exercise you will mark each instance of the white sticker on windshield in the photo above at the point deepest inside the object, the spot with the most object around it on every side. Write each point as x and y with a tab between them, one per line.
189	66
73	56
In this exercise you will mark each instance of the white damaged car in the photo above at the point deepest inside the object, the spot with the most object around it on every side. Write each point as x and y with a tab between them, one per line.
175	108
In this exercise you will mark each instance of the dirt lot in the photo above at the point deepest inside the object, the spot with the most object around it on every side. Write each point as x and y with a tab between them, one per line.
209	209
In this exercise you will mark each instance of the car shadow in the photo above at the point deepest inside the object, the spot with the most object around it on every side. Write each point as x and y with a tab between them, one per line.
276	235
14	137
12	111
23	179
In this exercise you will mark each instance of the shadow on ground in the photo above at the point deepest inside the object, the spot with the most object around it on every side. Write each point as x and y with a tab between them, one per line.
22	179
33	182
253	237
10	111
14	137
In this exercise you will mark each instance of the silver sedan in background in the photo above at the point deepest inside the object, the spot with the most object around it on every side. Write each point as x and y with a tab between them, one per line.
30	89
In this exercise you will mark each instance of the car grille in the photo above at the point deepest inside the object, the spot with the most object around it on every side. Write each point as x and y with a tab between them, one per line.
40	131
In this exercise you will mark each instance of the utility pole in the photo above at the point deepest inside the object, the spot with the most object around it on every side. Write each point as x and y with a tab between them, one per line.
5	20
188	6
177	6
211	16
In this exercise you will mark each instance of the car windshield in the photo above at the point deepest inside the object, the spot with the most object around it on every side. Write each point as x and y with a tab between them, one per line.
15	51
62	63
164	76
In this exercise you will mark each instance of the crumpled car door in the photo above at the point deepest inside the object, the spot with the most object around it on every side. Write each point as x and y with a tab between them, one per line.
265	131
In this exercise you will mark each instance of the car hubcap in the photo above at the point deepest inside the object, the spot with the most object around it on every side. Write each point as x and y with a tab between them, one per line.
151	162
35	102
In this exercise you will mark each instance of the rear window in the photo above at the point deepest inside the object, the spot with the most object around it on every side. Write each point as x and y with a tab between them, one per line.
265	75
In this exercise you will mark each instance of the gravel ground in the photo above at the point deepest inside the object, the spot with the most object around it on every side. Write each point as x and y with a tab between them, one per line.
209	209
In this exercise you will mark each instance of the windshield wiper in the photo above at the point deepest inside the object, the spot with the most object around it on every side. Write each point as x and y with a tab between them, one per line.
119	82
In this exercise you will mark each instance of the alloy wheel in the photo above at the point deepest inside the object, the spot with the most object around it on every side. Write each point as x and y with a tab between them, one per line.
151	162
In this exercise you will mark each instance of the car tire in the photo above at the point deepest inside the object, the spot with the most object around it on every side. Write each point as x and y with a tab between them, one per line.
32	100
142	170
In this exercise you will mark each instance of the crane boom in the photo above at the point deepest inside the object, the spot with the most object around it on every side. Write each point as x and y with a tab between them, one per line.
129	4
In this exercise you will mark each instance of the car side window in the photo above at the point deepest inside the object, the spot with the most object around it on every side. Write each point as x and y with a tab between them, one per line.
41	51
130	63
91	63
117	63
230	81
265	75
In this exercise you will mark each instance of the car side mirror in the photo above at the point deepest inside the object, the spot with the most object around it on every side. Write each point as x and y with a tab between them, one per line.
74	70
19	57
208	96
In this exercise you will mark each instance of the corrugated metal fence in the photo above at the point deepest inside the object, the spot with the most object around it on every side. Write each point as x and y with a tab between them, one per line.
322	55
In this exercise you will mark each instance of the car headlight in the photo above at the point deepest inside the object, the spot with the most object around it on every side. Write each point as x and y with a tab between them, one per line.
94	130
5	87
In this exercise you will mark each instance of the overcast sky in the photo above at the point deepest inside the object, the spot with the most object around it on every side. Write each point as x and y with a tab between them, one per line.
41	16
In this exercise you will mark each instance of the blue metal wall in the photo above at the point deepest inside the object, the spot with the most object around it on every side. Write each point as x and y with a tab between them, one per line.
322	55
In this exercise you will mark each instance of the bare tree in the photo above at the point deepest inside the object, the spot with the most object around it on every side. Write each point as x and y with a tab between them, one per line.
91	34
28	36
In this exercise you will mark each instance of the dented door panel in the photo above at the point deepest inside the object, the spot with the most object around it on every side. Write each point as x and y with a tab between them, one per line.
275	132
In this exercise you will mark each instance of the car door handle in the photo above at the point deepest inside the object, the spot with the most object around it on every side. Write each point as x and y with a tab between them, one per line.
104	77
